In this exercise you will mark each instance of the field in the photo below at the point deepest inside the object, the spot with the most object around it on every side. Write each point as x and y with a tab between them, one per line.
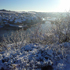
43	45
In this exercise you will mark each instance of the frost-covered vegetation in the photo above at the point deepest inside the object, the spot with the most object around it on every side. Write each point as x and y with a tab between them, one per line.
36	56
36	50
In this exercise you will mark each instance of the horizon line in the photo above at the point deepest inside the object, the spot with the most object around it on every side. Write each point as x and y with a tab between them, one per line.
33	11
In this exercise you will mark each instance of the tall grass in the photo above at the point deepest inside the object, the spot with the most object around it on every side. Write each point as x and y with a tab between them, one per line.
58	34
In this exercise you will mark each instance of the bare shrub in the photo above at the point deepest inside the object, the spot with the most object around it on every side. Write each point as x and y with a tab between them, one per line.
61	32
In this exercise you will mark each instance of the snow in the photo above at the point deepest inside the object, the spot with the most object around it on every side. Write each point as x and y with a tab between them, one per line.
34	56
24	19
15	25
11	20
20	18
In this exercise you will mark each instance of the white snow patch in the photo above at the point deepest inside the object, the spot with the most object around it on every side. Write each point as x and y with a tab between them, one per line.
34	56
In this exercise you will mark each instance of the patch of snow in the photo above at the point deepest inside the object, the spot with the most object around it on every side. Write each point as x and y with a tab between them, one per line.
34	56
18	20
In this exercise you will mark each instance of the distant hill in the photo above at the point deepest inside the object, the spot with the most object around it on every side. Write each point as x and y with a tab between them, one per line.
5	10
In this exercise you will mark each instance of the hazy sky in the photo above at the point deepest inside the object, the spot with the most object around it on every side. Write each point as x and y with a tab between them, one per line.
35	5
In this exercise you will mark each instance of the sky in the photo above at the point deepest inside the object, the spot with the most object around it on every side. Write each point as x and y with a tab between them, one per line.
36	5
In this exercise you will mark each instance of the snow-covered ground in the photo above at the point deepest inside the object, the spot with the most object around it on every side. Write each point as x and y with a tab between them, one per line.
36	57
19	17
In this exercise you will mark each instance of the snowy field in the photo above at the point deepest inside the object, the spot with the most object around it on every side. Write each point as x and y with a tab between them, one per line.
45	47
36	57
